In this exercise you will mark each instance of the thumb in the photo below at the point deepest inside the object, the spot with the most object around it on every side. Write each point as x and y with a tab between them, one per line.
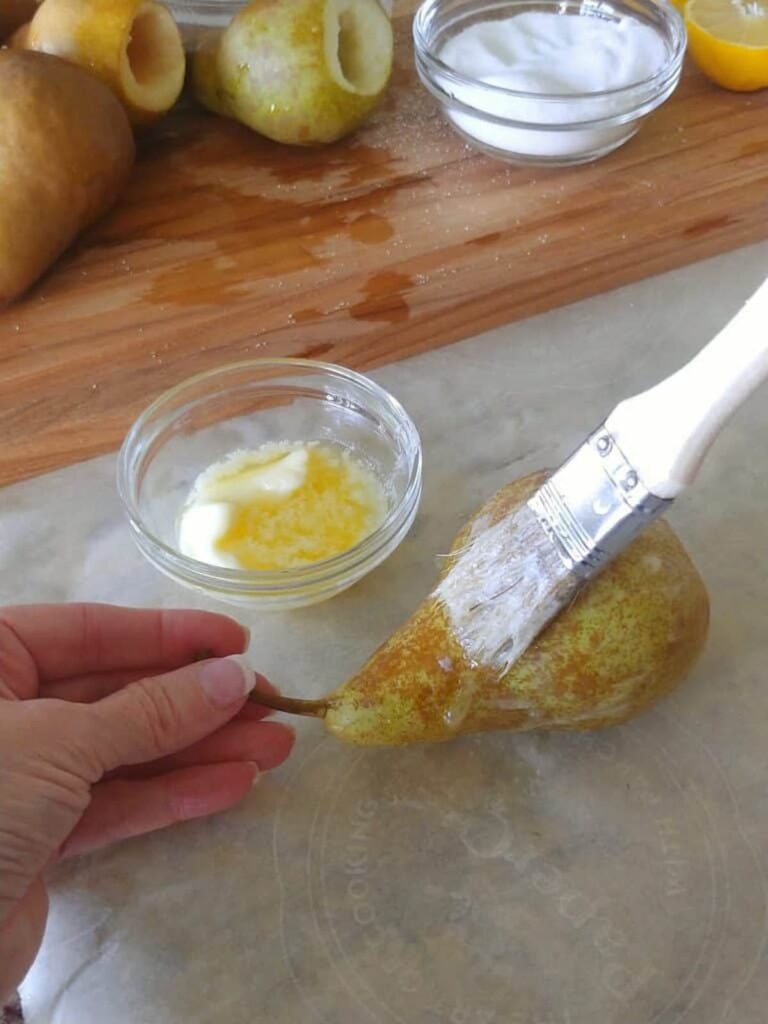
154	717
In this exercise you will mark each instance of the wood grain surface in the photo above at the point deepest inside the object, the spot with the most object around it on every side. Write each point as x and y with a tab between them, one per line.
401	239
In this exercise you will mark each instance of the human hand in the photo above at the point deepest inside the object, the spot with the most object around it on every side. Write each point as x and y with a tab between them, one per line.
110	727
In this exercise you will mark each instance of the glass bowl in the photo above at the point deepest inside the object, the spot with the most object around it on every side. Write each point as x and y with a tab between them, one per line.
544	128
244	405
196	17
191	14
199	19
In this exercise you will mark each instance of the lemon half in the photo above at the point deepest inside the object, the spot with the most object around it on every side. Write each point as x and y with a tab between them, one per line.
728	39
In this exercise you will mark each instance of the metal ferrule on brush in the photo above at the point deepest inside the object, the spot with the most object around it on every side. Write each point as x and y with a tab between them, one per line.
595	505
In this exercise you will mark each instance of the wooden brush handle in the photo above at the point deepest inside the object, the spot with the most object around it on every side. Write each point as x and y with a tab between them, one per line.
666	432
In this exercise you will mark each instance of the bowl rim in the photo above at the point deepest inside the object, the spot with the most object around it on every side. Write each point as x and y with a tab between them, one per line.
220	577
659	80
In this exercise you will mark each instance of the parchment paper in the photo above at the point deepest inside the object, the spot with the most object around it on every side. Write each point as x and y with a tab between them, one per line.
615	878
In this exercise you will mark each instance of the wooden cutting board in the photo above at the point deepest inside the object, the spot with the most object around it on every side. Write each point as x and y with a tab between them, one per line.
401	239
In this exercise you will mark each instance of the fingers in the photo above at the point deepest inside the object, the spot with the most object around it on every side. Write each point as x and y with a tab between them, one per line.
21	934
18	671
95	685
120	809
73	639
252	712
266	744
152	718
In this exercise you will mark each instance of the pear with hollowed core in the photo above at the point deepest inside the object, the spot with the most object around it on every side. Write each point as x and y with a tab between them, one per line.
631	636
204	75
133	46
300	71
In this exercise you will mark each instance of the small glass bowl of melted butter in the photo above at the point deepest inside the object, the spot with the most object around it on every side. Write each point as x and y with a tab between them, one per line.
275	483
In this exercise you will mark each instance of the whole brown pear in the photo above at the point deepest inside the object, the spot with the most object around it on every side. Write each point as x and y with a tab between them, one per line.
66	150
630	637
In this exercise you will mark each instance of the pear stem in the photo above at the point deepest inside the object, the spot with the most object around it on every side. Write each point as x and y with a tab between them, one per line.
291	705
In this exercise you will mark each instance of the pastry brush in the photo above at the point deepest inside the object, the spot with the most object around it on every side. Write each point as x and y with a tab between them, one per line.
513	577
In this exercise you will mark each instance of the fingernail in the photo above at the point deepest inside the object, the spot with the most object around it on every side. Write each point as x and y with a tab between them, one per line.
225	682
256	772
247	635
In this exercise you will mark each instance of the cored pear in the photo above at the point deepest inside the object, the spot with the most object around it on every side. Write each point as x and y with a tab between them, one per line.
204	74
301	72
133	46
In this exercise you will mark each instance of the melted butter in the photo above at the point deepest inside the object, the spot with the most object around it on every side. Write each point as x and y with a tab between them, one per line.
459	704
281	506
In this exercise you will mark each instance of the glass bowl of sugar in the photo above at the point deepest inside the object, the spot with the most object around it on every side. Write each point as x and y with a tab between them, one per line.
548	81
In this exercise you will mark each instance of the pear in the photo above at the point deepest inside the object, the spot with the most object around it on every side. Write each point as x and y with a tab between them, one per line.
66	151
14	14
301	72
133	46
630	637
204	75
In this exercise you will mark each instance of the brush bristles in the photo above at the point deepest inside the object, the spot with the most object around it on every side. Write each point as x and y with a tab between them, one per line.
507	584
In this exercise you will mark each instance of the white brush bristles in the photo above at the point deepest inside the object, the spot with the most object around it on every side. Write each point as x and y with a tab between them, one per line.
506	585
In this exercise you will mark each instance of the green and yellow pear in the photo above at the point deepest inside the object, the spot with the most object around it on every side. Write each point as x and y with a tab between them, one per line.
204	75
301	72
630	637
133	46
